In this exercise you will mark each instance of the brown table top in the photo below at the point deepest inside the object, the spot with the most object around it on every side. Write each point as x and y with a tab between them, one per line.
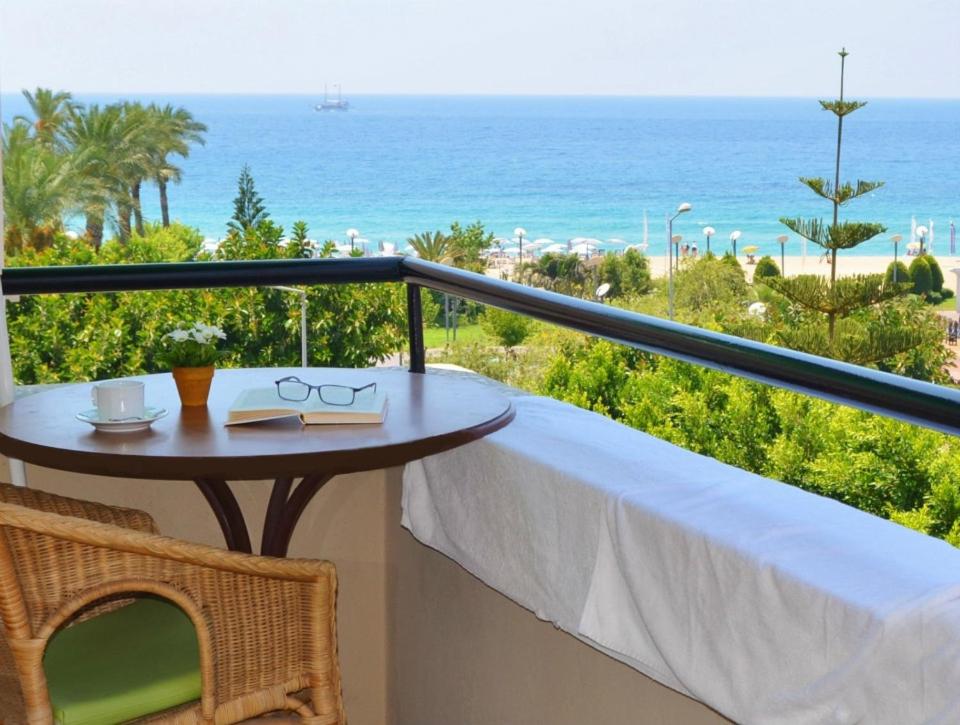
426	414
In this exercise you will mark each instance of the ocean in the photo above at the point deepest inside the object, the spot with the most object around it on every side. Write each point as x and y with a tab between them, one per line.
563	167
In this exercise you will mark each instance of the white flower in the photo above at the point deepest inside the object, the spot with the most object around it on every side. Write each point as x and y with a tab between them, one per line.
198	332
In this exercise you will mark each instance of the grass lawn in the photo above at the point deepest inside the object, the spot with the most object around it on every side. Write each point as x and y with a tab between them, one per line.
948	304
434	337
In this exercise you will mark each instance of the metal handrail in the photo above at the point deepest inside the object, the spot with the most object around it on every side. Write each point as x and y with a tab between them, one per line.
895	396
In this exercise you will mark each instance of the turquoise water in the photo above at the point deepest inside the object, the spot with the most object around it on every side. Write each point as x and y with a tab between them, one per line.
563	167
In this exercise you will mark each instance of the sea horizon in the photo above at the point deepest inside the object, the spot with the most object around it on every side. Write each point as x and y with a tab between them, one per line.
560	166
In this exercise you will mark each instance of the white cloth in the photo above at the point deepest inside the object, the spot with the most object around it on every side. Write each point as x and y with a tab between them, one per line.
766	602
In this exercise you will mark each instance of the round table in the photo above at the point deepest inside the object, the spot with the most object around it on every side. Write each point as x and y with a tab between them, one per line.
426	414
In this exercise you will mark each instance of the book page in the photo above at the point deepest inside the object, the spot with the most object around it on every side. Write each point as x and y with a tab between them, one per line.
257	404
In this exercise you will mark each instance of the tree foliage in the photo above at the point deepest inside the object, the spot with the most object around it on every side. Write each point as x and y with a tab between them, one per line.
248	207
627	274
902	273
508	328
75	337
766	267
921	276
65	158
833	307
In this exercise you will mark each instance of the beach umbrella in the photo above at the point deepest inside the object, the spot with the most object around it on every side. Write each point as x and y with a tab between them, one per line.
584	249
555	248
617	241
751	249
914	246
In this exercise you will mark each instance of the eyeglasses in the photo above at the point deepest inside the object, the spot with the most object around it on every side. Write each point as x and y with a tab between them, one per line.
294	389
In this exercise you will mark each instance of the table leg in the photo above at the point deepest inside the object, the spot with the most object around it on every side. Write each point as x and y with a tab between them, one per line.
284	511
227	511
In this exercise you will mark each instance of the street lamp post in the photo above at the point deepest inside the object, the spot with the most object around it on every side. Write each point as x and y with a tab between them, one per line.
676	239
303	319
353	234
734	236
708	232
921	232
783	242
520	233
682	209
896	244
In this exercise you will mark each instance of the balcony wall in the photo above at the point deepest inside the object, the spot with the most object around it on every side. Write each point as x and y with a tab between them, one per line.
422	642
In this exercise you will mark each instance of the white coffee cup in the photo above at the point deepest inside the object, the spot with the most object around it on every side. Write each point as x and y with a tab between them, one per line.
118	399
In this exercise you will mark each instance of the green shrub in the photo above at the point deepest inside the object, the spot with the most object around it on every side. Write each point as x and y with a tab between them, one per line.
935	272
509	328
709	284
921	276
766	267
903	274
946	293
628	274
432	307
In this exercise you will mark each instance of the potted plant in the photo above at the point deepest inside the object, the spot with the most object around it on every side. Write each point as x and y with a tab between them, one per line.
191	352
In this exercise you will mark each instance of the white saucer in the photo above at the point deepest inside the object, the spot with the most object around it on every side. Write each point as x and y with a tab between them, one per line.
127	425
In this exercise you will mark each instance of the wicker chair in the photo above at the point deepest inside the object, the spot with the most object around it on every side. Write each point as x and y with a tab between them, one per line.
265	628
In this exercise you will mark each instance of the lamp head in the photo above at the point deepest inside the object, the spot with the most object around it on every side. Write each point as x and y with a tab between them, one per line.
519	232
353	233
896	238
684	208
783	239
709	231
735	236
676	239
922	231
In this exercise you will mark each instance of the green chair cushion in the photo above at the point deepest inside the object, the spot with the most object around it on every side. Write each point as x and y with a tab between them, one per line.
125	664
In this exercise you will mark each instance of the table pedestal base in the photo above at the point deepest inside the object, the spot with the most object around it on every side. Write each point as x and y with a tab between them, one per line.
283	511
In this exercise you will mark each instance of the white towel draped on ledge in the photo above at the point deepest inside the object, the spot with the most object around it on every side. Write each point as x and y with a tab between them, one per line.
765	602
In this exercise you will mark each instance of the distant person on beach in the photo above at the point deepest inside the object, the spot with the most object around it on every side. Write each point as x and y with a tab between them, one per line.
693	250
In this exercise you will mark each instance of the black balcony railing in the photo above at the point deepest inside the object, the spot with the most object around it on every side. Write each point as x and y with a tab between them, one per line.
918	402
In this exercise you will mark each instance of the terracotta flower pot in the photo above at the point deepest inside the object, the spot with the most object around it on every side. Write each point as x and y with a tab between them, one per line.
193	384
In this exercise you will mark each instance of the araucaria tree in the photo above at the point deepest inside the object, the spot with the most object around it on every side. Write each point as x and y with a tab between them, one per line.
840	318
248	208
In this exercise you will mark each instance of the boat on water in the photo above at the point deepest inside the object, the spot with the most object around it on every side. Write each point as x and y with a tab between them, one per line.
330	104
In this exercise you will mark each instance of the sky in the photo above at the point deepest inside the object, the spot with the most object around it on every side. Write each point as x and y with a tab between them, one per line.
899	48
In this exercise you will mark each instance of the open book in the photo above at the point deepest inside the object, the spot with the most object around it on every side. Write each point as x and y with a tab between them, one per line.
256	404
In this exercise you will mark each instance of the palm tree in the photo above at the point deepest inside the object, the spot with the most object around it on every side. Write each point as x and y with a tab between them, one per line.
37	188
52	112
109	152
433	247
172	130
